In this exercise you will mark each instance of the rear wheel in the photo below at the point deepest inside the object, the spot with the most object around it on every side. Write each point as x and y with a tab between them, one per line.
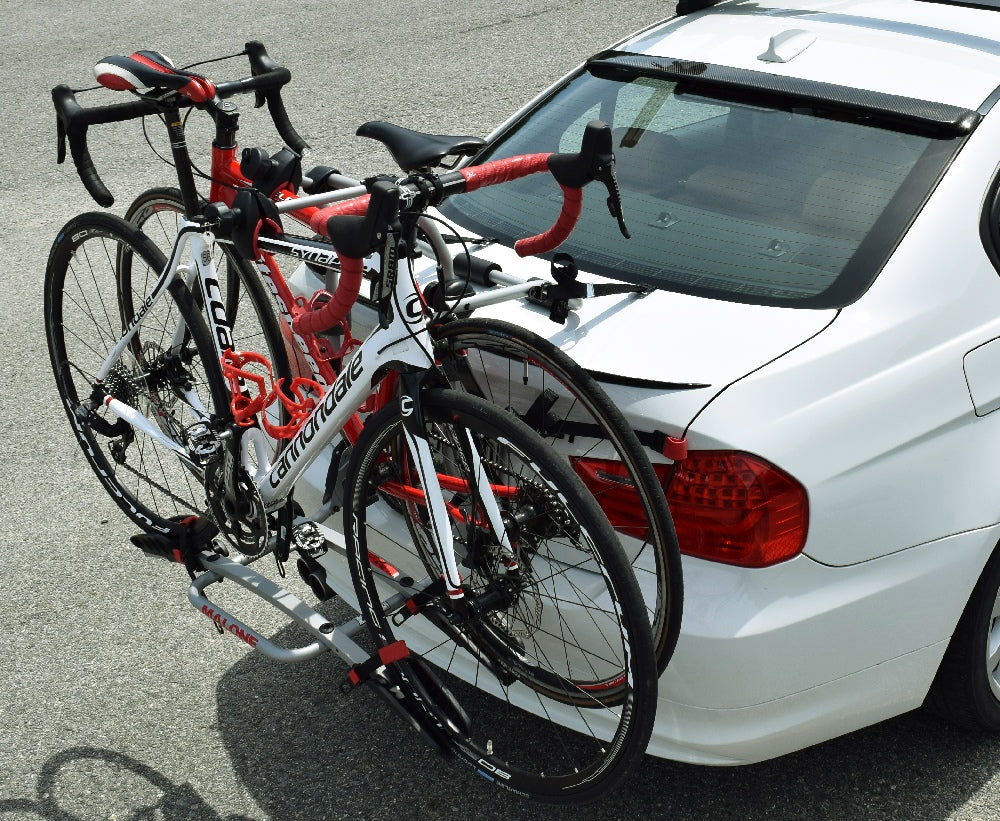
167	372
529	376
966	689
547	656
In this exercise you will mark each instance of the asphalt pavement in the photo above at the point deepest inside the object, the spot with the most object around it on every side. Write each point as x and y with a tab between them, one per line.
117	699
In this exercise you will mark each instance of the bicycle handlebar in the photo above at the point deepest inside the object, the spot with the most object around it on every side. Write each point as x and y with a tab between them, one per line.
72	120
357	227
268	78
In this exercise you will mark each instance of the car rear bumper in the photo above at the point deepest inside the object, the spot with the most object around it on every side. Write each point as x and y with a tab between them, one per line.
770	661
773	660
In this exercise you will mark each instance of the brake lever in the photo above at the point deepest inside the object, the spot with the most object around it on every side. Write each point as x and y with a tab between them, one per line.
605	172
60	140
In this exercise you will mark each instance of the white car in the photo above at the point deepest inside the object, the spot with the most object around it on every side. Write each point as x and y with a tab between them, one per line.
812	193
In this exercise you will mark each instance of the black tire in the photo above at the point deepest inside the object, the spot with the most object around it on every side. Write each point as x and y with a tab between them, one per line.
565	637
513	367
249	307
83	321
966	689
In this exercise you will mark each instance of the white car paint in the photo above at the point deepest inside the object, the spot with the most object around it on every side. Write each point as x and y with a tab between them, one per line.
884	410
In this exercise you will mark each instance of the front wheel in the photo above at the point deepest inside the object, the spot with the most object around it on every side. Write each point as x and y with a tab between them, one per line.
547	656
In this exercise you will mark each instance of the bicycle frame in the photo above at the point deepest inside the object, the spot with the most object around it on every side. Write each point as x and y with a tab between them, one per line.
227	178
401	343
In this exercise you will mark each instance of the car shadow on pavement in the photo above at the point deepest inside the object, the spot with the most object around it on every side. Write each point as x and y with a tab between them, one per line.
65	791
305	749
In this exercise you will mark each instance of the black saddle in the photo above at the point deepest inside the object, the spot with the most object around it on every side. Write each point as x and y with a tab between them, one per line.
414	150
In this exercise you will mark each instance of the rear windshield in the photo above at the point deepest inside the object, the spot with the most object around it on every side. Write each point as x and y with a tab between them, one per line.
751	199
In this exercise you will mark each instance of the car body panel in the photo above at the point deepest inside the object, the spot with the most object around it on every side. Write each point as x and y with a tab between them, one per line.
814	622
957	67
716	342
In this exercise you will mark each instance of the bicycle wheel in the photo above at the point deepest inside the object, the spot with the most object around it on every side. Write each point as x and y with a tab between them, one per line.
525	373
250	309
168	372
547	660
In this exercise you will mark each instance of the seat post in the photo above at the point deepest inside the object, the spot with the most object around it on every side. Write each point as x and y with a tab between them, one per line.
182	162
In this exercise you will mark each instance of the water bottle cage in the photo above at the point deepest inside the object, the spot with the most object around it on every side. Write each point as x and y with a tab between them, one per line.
254	390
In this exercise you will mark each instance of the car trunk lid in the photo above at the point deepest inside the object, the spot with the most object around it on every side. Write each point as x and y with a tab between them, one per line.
672	339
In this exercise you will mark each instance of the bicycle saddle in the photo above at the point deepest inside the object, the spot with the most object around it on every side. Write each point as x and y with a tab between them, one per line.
150	69
413	150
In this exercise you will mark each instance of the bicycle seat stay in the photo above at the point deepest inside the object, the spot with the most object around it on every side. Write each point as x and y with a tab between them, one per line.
415	150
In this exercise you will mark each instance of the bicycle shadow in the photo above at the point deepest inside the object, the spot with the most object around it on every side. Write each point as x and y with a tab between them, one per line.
308	750
64	791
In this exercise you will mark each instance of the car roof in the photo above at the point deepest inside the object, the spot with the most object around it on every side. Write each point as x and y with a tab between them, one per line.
943	52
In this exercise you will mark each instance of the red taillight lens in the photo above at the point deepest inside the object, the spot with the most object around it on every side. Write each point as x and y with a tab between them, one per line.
736	508
610	484
727	506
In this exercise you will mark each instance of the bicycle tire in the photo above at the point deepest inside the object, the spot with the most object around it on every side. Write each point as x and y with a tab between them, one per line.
250	309
83	321
564	640
512	367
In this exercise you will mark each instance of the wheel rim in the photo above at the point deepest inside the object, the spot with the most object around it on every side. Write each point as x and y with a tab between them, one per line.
993	649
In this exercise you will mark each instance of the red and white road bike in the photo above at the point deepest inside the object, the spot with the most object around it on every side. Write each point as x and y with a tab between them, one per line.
478	556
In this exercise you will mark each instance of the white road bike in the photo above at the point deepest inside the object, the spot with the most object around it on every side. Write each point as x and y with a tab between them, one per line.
511	631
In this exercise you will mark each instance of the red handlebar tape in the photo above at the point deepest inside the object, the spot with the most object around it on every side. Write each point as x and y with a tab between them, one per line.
476	176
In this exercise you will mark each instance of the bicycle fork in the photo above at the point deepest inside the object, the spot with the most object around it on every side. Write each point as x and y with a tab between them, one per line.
415	433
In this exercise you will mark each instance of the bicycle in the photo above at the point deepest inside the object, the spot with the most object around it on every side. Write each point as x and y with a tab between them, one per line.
554	395
518	584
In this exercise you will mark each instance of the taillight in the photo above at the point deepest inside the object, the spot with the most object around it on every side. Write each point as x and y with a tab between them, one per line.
727	506
609	483
736	508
